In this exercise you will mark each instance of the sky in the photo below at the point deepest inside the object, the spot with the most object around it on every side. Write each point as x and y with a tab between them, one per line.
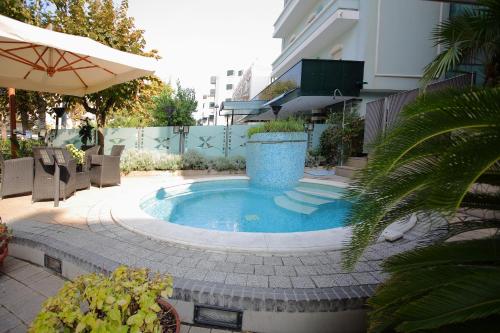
200	38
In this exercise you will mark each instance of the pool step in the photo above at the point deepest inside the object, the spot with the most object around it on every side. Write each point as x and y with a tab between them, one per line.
318	193
284	202
301	197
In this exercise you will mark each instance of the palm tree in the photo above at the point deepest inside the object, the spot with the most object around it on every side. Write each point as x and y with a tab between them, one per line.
442	156
472	36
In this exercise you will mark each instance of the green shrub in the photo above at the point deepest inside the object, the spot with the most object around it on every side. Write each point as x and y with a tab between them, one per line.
168	162
314	158
288	125
238	163
145	160
126	301
25	147
336	141
194	160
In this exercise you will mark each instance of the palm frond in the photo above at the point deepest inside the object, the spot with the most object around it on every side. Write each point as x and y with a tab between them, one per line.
429	162
441	286
483	251
475	297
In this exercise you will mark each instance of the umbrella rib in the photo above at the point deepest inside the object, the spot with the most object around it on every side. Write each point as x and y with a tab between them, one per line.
61	56
17	58
90	62
77	75
69	64
36	62
30	45
40	56
76	68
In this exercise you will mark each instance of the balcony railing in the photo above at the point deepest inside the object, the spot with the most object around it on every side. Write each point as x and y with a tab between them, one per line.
317	77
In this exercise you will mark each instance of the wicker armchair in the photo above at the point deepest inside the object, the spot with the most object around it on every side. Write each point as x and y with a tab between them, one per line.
43	185
105	169
17	176
83	176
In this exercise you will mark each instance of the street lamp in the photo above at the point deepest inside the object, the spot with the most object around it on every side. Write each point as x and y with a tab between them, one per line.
335	92
182	131
309	128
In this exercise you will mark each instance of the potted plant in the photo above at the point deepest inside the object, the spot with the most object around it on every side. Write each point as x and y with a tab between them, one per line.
127	301
276	153
5	236
78	155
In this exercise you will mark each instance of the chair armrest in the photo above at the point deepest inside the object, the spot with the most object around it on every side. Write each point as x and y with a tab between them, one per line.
105	159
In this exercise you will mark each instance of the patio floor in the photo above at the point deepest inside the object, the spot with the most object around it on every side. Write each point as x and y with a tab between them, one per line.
83	232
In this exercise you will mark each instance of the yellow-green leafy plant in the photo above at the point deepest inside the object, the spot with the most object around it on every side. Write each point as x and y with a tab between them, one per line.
78	154
126	301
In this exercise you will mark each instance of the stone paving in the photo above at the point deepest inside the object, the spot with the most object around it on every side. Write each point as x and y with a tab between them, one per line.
23	289
83	231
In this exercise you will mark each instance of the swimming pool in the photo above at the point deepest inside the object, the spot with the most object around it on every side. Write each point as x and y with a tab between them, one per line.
236	206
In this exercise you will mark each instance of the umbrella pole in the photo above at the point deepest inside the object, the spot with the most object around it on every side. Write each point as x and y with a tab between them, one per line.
12	110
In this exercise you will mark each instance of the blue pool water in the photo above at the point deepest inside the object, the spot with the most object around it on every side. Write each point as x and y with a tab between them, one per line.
234	205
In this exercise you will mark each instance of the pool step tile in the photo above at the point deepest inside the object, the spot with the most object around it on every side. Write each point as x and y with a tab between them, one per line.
284	202
301	197
318	193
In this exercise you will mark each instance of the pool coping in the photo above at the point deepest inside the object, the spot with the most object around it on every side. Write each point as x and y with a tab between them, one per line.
126	211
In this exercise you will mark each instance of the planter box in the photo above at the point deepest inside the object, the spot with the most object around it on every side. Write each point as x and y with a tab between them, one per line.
276	160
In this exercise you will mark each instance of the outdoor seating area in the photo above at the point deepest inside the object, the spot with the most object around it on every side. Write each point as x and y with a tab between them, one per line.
53	174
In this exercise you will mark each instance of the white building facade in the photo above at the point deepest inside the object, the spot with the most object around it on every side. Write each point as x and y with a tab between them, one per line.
222	87
391	37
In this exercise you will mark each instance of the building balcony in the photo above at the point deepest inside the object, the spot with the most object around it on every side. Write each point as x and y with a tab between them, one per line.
309	84
337	17
290	17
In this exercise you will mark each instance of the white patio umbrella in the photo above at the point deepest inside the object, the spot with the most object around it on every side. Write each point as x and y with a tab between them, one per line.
38	59
34	58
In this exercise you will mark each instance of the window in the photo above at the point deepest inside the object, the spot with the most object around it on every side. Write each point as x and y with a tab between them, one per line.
205	96
230	72
229	99
212	92
240	73
229	86
213	79
203	105
211	105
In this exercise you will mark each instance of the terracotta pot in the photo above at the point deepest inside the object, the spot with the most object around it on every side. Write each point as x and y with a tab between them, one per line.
4	249
167	307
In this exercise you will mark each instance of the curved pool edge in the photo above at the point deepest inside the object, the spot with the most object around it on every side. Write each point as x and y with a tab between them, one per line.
126	211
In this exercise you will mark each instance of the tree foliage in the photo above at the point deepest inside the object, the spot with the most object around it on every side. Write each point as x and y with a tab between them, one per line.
174	108
474	35
139	112
102	21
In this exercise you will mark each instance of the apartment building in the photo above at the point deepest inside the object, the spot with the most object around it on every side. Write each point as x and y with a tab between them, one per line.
222	87
348	50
